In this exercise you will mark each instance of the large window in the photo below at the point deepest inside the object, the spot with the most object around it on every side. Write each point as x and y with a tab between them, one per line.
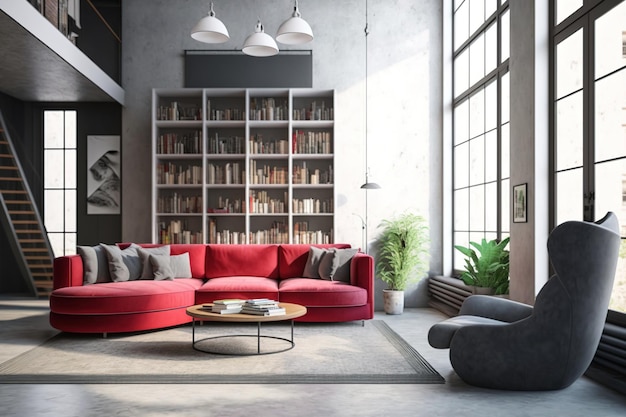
60	180
481	121
590	117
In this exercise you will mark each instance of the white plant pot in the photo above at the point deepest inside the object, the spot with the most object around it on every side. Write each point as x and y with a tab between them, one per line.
393	301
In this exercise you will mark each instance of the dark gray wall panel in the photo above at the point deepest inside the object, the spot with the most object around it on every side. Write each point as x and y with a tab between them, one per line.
220	69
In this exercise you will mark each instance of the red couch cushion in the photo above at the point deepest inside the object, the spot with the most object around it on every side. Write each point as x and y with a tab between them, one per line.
243	287
241	260
125	297
320	293
292	258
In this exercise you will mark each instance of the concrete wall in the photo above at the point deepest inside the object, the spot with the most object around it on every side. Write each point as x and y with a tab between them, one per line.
404	91
529	145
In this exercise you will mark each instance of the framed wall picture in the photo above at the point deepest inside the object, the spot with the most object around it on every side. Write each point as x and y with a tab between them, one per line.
103	175
520	203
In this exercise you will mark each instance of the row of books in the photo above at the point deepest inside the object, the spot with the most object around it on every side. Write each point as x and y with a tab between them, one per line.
223	114
272	146
226	145
175	143
268	109
229	173
312	205
177	203
262	202
178	232
267	174
314	112
311	142
277	234
257	307
303	143
179	111
303	175
171	173
227	205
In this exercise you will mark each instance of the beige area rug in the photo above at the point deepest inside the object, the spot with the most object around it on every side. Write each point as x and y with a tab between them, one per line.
323	354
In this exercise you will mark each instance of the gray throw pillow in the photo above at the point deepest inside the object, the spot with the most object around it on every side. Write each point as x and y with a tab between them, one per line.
311	268
161	269
124	265
95	264
144	254
335	265
180	265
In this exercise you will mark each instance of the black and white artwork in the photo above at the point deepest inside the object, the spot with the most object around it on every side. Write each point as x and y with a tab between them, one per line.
103	175
520	203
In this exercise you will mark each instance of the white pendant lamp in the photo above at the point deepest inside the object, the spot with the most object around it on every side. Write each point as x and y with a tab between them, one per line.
210	29
367	185
294	30
260	43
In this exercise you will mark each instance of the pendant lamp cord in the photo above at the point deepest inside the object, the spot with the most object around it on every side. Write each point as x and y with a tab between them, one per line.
366	31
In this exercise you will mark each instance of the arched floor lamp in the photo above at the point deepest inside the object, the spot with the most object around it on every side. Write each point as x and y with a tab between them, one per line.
367	185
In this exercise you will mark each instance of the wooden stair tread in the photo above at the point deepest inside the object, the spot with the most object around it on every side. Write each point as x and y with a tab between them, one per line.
25	201
32	249
13	191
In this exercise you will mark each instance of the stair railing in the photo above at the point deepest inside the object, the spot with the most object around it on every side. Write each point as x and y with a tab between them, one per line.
7	221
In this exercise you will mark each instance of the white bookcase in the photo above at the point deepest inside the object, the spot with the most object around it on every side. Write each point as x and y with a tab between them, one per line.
243	166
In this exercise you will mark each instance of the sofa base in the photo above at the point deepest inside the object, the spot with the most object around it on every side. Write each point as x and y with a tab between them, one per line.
119	323
337	314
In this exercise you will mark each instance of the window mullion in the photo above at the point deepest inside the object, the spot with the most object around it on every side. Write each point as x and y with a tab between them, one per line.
588	152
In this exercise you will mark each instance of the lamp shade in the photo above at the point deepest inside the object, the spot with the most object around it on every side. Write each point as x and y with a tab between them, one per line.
370	186
260	43
210	29
294	30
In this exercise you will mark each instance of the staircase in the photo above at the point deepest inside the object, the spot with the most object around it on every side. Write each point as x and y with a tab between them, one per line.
22	223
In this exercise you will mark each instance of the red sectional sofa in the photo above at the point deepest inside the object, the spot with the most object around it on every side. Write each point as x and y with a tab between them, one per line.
217	271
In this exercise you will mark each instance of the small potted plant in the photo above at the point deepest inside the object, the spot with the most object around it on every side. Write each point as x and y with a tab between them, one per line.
490	269
402	257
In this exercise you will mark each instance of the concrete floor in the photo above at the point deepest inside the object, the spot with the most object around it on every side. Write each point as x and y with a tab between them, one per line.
24	324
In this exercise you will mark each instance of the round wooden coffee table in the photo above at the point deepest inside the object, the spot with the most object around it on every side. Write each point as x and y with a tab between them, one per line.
202	312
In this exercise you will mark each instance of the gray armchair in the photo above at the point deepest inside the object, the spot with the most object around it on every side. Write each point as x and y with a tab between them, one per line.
502	344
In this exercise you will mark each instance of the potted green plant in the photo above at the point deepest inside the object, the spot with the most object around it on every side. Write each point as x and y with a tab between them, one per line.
402	257
489	268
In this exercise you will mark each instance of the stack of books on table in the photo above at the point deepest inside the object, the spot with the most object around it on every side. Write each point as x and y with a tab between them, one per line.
262	307
228	306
